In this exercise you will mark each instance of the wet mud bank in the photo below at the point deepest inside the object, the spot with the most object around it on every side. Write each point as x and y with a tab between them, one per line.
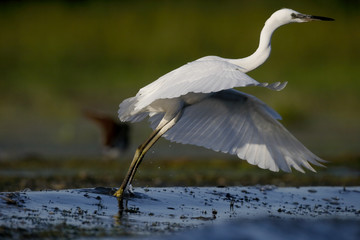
163	212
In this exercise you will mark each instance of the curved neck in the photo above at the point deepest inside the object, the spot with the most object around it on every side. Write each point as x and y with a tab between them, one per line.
262	52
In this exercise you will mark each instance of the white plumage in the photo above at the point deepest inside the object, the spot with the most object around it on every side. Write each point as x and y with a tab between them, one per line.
236	123
195	104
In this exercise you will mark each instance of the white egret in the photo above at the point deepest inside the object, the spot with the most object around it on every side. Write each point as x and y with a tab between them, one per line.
195	104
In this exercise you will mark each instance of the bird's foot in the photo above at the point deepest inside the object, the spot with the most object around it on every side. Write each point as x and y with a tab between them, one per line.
121	192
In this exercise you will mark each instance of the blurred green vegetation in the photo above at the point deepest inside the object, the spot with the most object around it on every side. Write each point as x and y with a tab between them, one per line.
57	57
38	173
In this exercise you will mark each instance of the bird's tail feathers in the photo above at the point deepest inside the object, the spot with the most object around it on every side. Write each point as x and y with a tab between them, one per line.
127	112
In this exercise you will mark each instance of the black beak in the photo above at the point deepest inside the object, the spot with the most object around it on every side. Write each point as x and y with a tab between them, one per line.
320	18
311	17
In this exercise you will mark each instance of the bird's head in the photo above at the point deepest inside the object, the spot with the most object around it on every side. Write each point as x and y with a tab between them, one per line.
285	16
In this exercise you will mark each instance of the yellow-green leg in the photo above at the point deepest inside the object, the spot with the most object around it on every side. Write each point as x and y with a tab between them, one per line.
139	155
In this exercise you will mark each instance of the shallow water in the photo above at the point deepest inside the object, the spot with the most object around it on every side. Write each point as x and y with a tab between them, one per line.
205	212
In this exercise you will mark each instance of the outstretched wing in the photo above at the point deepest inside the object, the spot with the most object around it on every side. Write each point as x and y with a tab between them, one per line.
205	75
233	122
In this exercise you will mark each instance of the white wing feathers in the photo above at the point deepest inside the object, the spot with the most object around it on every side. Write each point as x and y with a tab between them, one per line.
205	75
233	122
226	120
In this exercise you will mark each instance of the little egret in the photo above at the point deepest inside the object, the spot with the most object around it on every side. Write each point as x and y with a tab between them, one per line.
195	104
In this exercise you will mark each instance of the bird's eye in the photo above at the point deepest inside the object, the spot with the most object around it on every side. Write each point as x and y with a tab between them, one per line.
293	15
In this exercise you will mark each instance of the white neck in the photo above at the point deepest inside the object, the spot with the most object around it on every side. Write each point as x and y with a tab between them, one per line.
262	52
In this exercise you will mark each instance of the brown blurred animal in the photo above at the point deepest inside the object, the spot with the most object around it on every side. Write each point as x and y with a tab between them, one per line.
116	138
